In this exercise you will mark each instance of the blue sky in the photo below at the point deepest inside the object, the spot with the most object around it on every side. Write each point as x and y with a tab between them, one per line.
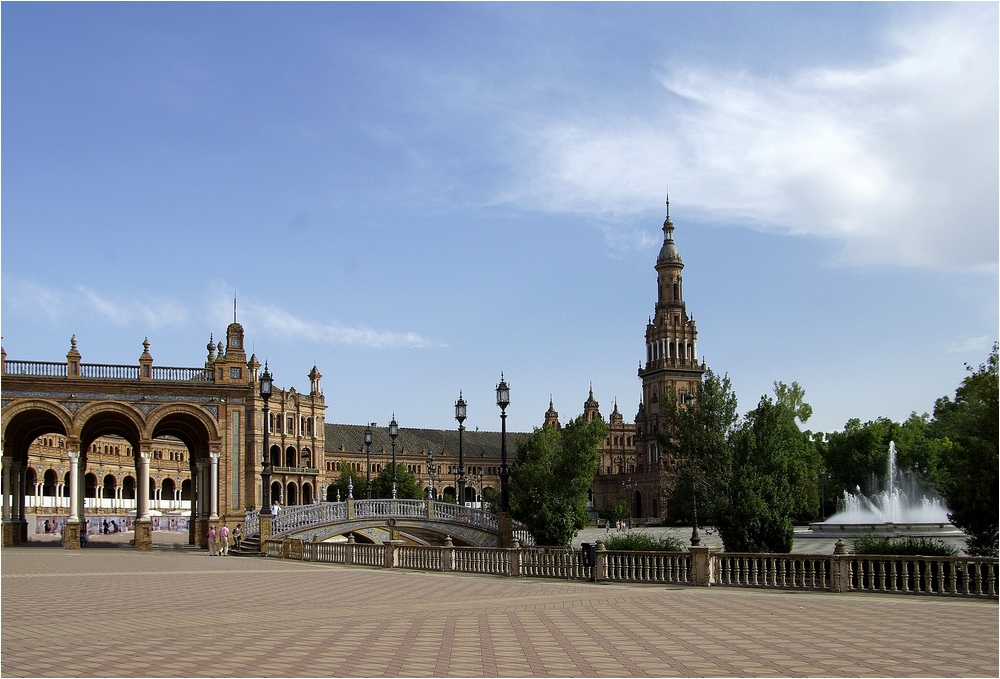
414	197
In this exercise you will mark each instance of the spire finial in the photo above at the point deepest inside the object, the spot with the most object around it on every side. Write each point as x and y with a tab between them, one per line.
234	307
668	204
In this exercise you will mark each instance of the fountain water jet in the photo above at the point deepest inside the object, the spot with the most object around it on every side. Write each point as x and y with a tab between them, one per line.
894	510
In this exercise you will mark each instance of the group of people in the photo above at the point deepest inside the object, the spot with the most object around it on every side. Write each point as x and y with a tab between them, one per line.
622	527
218	541
109	529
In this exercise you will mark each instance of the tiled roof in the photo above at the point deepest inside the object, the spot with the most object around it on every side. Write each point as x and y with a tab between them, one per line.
422	441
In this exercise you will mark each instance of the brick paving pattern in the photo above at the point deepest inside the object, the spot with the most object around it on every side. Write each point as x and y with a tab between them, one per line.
116	612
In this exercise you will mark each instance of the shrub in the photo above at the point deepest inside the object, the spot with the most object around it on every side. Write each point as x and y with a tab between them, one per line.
644	542
904	546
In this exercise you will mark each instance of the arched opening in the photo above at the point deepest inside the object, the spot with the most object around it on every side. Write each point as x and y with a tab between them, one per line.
49	482
470	494
290	456
290	495
65	486
168	489
90	486
637	507
331	493
186	490
275	456
307	493
152	489
306	458
676	292
128	488
276	495
110	484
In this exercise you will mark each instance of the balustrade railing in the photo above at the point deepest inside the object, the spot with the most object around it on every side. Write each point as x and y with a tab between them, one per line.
949	576
953	576
34	368
625	566
183	374
799	571
107	371
487	561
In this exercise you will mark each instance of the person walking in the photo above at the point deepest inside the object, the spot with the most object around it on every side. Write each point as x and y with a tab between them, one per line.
238	535
224	539
211	541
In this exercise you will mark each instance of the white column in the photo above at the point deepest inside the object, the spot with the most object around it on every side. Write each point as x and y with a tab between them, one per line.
213	485
694	347
74	487
142	507
200	487
7	462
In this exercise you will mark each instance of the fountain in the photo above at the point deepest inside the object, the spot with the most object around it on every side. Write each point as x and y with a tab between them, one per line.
895	510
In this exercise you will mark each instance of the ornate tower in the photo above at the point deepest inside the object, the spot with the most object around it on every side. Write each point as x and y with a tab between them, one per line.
671	349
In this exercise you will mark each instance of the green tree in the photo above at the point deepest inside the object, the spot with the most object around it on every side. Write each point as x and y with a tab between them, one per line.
550	479
968	427
348	474
805	462
407	487
753	507
694	436
792	399
615	512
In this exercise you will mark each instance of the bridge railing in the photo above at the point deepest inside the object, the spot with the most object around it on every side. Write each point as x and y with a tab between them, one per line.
34	368
301	516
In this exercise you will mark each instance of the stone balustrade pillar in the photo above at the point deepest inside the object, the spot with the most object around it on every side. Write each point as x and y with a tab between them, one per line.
703	565
349	552
514	558
448	555
600	568
392	553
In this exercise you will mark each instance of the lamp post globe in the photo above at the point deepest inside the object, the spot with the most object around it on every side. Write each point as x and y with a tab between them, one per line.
393	433
368	462
266	387
460	414
503	400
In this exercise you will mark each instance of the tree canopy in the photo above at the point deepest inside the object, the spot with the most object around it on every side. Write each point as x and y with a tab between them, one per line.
968	429
551	477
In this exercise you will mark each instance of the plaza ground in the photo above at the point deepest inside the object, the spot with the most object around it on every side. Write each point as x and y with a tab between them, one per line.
177	612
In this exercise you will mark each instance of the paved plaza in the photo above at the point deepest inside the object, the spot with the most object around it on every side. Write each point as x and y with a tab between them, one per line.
176	612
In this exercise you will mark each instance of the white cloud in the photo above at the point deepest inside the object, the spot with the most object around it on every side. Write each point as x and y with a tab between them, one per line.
284	324
896	161
31	297
149	314
979	344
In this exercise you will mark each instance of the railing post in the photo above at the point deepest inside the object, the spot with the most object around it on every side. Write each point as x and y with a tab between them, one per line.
392	553
264	531
840	568
514	556
430	510
600	567
703	565
448	554
349	552
350	508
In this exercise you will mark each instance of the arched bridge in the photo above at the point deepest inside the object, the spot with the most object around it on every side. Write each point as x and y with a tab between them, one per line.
415	521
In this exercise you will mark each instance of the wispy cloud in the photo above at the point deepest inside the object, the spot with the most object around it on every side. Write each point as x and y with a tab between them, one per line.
896	161
151	314
971	344
281	323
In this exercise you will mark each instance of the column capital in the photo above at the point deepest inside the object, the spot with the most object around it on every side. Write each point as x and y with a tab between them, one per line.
215	455
74	456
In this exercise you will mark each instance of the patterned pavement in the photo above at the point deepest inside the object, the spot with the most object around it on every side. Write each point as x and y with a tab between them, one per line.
115	612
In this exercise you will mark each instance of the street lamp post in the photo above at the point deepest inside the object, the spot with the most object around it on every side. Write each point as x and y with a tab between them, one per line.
503	400
460	408
695	537
393	433
431	470
629	485
266	385
368	462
